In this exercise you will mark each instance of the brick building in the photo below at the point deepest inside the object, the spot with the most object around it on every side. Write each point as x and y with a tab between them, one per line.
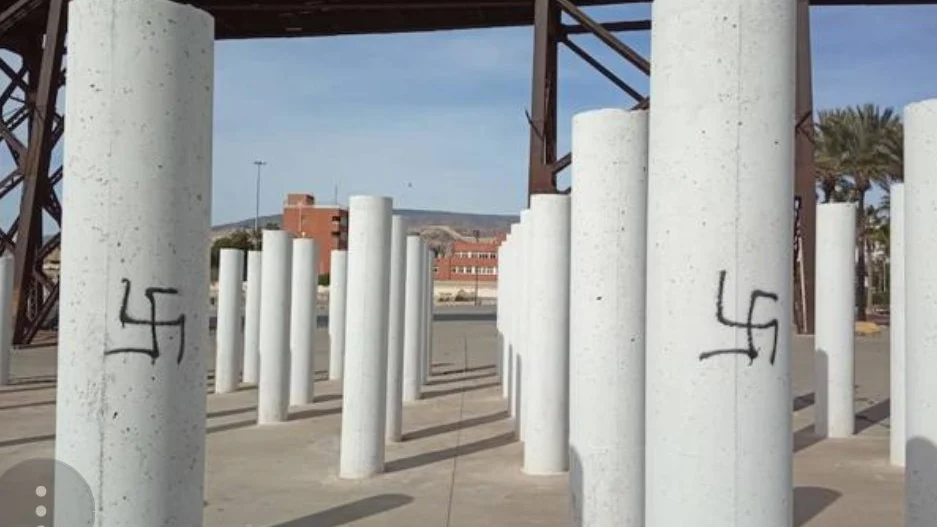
327	224
466	259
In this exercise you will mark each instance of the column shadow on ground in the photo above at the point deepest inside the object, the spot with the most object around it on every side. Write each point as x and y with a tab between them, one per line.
435	456
351	512
804	401
449	380
26	440
463	370
873	415
27	405
443	393
452	427
810	502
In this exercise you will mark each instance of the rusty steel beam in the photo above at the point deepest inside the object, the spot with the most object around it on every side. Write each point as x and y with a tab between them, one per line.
17	12
36	173
50	305
611	27
562	163
605	36
598	66
804	175
543	106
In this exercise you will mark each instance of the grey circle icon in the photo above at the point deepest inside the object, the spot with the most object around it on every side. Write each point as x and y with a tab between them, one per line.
33	493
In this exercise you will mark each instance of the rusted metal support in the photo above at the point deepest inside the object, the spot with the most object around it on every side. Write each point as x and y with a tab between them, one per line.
36	178
607	73
605	36
543	99
611	27
804	176
16	12
562	163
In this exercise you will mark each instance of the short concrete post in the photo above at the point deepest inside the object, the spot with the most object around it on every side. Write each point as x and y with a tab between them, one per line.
395	330
303	320
896	325
337	297
835	320
606	318
134	311
228	328
413	319
6	317
547	440
273	392
365	382
920	164
252	318
719	241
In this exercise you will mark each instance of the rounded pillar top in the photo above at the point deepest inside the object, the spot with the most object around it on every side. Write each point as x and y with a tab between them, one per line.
921	107
368	202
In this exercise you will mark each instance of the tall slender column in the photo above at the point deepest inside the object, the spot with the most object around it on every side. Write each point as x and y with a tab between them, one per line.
720	226
252	318
429	314
547	441
896	325
835	320
606	318
395	330
133	334
516	335
504	316
365	381
413	319
273	392
303	320
6	317
337	302
920	164
228	329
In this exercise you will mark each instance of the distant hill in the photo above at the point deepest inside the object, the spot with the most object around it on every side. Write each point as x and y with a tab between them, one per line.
463	223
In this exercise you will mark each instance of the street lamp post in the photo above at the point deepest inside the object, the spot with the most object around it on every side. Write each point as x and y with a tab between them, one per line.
257	205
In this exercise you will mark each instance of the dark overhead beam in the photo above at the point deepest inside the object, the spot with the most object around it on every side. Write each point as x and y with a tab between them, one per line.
611	27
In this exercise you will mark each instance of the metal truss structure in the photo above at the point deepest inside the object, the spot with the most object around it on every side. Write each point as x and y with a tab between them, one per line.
32	37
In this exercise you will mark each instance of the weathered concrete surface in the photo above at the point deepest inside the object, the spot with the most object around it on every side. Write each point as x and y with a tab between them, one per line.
458	464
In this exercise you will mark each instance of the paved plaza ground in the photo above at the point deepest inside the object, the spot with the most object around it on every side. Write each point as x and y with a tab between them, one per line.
459	464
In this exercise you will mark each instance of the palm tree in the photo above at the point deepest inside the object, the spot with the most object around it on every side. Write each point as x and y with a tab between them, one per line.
860	145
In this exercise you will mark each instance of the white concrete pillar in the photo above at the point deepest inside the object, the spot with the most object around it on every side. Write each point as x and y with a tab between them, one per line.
896	325
520	320
337	299
365	381
6	317
720	231
273	391
835	320
413	319
429	311
133	334
504	310
526	358
303	320
252	318
516	336
228	327
606	318
395	330
920	165
547	435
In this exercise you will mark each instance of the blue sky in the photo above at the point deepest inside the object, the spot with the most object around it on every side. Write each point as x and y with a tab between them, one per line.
436	120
